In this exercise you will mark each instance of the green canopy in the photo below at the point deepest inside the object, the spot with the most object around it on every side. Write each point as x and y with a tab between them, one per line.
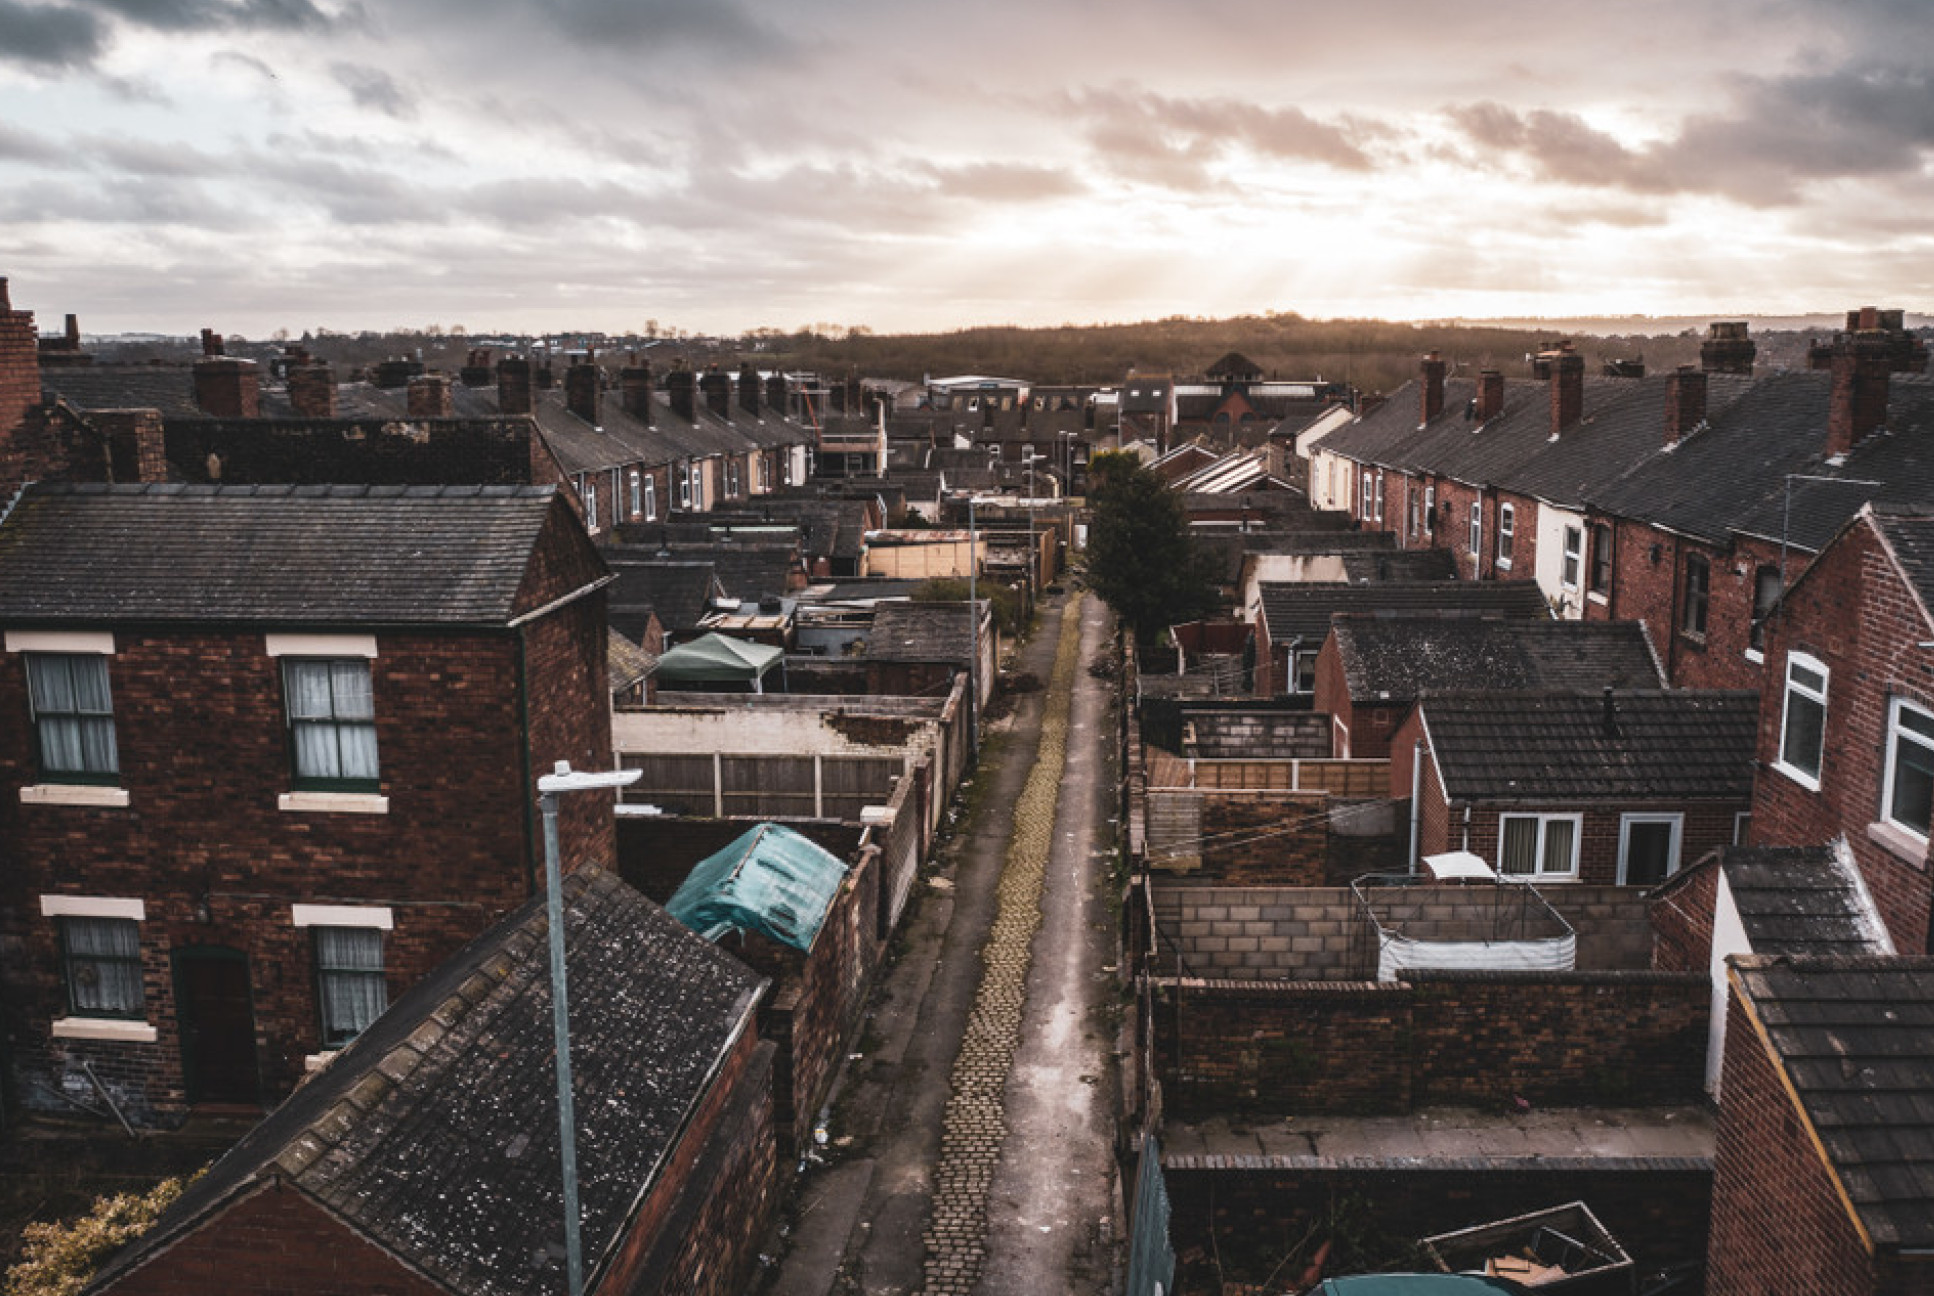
715	657
770	880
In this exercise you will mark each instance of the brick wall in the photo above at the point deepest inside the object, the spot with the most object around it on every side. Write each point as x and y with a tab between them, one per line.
1852	613
1682	917
273	1240
1318	933
1264	838
1777	1220
19	394
1524	540
488	452
1706	827
1253	1215
1483	1038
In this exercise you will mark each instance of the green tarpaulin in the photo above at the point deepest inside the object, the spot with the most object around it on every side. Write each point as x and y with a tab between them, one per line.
717	657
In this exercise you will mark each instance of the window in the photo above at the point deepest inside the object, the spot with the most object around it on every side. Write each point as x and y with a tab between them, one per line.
1369	496
350	989
101	962
1416	523
1692	619
1430	510
588	491
1601	558
637	493
765	473
1742	827
731	478
698	487
1803	720
1507	532
1477	529
73	717
685	487
332	723
1767	586
1574	556
651	498
1908	792
1538	845
1648	848
1379	497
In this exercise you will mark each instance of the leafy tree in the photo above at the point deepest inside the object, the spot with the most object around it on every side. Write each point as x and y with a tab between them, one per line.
947	589
1141	559
59	1259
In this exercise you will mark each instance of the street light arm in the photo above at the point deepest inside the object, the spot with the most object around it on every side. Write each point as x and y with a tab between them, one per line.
566	779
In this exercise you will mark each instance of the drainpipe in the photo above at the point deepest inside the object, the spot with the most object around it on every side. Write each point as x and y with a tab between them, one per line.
1416	790
1467	828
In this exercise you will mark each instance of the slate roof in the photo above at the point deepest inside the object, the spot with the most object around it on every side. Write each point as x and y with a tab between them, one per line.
435	1134
1554	746
287	555
628	662
678	590
1400	565
1803	900
1303	609
1911	537
1855	1038
1386	659
167	388
921	632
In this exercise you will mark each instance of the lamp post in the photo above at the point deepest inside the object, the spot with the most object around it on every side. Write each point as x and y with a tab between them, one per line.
973	633
549	787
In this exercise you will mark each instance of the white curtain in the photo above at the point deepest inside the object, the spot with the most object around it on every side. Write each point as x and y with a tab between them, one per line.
104	966
74	712
333	714
350	963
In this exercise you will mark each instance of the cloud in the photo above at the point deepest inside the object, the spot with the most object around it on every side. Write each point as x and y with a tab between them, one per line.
48	37
217	15
1778	135
1004	182
374	89
1174	141
23	146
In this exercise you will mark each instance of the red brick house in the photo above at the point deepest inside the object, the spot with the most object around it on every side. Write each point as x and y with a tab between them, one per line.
266	758
1846	743
1372	668
1823	1170
426	1157
1619	787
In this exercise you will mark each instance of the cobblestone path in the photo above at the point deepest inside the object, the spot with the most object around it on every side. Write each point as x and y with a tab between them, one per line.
975	1123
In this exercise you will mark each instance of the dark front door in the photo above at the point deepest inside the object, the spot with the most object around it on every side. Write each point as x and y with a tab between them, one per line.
217	1026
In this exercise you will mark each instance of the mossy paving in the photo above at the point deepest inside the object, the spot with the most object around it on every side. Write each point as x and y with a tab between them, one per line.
975	1122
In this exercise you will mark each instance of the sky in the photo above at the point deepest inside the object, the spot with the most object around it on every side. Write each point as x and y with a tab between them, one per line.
904	165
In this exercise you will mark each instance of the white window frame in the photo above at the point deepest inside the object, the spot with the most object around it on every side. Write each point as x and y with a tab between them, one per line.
1367	493
588	493
1790	687
1476	536
1572	568
1675	855
1379	496
1542	874
1507	533
651	497
637	494
685	487
1430	510
1895	733
1742	826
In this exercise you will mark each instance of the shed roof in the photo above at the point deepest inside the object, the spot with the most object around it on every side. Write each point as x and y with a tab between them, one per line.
1855	1038
1303	609
1393	660
1803	900
770	880
922	632
291	555
718	657
1671	745
434	1134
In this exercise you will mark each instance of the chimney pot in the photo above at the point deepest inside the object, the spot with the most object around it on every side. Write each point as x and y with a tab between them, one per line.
429	397
6	302
1728	348
312	390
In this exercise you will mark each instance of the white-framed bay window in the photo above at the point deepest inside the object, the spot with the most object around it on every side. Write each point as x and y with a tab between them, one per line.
1539	845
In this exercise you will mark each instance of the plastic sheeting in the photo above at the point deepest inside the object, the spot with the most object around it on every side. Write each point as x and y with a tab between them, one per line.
1557	954
770	880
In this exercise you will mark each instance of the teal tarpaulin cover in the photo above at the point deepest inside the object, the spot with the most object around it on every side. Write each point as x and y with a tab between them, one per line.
770	880
717	657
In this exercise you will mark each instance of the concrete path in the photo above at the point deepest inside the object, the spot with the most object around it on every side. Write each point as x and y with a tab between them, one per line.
927	1184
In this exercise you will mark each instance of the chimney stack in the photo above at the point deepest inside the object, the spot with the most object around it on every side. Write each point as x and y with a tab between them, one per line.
1727	349
718	391
73	333
22	455
429	397
514	385
1858	401
312	389
634	391
476	368
226	387
1567	388
749	389
776	393
582	394
1685	402
1433	388
1611	714
682	387
1490	394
